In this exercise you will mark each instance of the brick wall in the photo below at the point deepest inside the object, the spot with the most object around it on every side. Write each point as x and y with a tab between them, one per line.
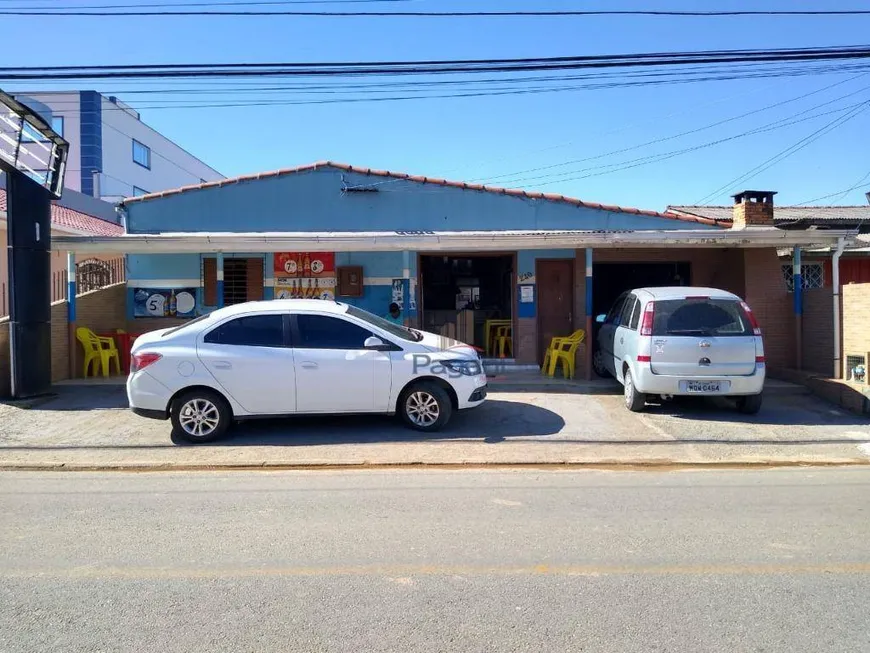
818	331
526	341
856	319
101	311
772	304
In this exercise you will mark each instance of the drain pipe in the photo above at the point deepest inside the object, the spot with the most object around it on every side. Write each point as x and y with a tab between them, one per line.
835	267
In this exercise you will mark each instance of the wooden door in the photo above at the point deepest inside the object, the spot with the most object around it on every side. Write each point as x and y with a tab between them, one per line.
554	281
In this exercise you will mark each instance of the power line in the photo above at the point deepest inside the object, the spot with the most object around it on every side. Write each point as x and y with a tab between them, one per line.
317	69
598	171
787	152
839	194
435	14
656	141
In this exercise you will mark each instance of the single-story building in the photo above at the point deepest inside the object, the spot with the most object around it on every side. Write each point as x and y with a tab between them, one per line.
453	255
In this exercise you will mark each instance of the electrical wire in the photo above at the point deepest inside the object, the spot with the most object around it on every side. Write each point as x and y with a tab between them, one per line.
663	139
840	193
787	152
24	11
318	69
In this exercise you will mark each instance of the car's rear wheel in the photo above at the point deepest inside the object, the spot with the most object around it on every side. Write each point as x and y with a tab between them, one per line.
749	404
635	401
425	407
200	416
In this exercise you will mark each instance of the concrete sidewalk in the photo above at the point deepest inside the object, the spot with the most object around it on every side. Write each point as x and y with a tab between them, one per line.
89	427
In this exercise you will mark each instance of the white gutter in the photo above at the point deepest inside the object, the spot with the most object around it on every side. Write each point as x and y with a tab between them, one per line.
835	266
438	241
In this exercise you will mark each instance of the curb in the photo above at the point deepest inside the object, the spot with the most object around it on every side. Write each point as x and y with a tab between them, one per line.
637	465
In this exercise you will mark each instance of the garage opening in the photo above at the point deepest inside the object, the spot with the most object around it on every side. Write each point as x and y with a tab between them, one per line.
464	296
609	280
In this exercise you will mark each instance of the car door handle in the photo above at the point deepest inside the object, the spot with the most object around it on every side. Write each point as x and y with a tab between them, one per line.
622	341
308	365
223	365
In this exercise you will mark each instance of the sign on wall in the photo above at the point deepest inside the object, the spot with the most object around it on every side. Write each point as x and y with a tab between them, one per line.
305	275
305	264
317	288
164	302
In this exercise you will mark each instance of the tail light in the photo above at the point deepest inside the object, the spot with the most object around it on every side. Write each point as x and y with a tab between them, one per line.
141	361
759	360
756	329
646	324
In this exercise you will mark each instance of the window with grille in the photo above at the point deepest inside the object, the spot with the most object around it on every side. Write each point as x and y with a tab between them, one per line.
235	281
856	368
812	276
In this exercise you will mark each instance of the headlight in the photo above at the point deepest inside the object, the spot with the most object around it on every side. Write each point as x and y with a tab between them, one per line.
465	367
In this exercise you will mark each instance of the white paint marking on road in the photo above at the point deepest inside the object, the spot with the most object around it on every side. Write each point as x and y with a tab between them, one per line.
864	448
402	581
506	502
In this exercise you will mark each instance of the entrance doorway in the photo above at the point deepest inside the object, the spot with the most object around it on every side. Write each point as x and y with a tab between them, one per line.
461	294
555	284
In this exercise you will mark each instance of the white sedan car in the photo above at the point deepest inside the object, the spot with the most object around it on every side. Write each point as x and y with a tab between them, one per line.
298	356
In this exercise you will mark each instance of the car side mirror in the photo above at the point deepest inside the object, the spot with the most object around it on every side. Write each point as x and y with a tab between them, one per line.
376	344
600	318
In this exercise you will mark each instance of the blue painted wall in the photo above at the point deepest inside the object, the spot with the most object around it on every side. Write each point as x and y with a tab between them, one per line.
316	201
183	270
91	107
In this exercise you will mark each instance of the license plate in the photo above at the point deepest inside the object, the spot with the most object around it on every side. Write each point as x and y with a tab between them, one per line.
703	386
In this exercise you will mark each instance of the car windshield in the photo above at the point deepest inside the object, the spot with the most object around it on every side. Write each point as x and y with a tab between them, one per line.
700	317
396	330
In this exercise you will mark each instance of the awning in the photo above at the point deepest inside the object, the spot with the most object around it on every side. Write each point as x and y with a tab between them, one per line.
441	241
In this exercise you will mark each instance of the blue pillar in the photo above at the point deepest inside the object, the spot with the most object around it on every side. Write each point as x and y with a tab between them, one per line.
589	316
269	276
798	307
220	279
71	310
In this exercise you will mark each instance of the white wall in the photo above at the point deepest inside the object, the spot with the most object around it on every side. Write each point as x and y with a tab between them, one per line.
171	166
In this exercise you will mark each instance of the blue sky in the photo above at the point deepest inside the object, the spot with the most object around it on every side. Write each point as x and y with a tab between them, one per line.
494	137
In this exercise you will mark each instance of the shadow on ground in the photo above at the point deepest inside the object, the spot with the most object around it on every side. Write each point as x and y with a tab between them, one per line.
798	410
499	420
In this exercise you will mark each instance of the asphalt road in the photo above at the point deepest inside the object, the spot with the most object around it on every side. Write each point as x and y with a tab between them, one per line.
436	561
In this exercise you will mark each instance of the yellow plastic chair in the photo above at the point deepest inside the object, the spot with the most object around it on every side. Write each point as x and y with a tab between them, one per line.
489	344
503	341
564	350
98	350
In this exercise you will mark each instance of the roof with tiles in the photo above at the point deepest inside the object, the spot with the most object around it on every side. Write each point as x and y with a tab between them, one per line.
551	197
784	215
68	219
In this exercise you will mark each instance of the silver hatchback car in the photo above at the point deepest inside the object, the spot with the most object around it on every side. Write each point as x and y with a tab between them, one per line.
682	341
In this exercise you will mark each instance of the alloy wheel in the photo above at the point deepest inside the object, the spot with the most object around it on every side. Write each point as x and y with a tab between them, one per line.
422	408
199	417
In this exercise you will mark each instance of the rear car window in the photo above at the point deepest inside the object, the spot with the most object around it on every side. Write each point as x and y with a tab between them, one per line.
249	331
700	317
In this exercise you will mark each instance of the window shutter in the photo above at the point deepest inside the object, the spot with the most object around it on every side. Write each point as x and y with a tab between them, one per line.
209	282
255	279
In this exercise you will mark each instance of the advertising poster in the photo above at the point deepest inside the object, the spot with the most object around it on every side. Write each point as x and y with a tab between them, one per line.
304	264
412	295
305	275
398	292
164	302
317	288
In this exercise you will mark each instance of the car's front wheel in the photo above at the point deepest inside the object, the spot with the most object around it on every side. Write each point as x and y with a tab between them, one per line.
200	416
749	404
635	401
425	406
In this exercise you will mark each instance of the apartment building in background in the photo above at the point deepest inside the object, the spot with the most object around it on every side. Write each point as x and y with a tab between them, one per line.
113	154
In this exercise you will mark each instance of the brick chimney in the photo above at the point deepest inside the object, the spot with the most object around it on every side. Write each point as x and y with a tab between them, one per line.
753	208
